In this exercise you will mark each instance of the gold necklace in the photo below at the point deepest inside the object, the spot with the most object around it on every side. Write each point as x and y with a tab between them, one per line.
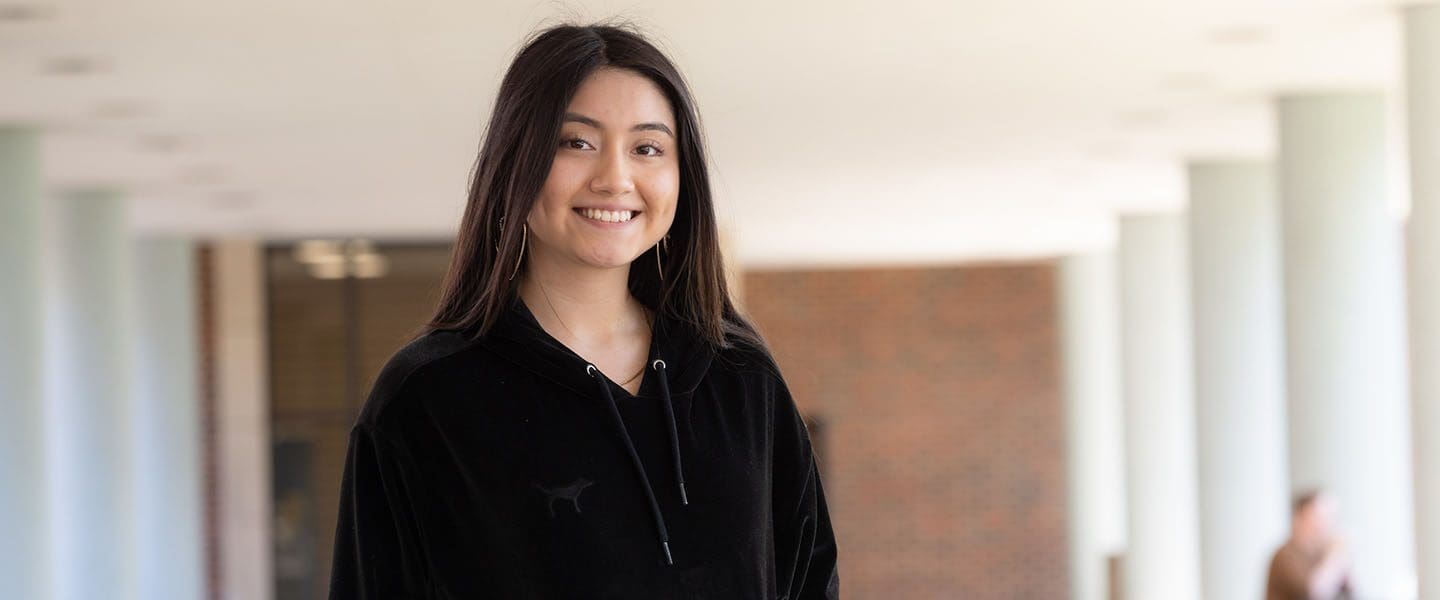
642	363
546	295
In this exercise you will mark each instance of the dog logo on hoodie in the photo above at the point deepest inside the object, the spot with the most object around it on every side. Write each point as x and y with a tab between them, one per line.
569	492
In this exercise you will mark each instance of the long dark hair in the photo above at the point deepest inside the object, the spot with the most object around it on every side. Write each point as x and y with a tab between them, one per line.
514	161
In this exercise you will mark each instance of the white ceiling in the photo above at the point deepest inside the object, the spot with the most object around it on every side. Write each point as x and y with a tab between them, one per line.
841	132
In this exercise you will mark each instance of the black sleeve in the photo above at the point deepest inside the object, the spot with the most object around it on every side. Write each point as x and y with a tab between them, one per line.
377	554
805	552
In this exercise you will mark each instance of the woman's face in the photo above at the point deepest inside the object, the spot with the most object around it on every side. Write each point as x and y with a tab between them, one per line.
612	189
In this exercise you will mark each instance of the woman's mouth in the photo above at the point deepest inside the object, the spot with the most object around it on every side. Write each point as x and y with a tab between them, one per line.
607	216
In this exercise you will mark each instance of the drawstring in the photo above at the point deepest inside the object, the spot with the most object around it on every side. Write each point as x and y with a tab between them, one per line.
635	457
660	366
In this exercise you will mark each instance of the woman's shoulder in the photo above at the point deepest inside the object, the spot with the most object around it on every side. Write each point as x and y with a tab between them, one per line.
747	354
409	369
754	367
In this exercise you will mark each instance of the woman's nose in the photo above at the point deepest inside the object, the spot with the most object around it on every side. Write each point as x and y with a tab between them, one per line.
612	174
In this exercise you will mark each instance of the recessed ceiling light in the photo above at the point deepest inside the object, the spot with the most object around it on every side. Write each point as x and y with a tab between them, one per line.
202	174
165	143
369	265
359	246
327	270
22	13
336	259
123	109
317	251
234	200
72	66
1241	34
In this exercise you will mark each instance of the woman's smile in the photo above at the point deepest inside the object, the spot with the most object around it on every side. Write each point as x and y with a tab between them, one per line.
607	218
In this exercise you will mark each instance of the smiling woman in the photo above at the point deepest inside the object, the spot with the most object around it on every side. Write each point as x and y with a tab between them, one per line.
613	171
585	356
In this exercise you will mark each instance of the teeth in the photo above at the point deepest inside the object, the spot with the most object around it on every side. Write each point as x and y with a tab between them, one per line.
608	216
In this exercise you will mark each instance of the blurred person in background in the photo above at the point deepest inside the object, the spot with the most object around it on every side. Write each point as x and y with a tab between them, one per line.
1313	563
584	365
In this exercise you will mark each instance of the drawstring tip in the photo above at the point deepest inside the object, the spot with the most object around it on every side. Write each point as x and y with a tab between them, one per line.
683	499
666	546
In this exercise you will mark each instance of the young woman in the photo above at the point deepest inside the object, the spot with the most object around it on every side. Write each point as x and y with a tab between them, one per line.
586	415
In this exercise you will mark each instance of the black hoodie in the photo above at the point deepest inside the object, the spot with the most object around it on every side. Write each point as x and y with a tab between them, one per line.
506	467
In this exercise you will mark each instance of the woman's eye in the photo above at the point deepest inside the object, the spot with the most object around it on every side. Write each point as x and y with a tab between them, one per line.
580	144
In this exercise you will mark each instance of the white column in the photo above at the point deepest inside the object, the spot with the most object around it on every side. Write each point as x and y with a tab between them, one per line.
86	378
1162	558
1239	374
1094	448
22	471
166	422
1345	343
243	421
1422	61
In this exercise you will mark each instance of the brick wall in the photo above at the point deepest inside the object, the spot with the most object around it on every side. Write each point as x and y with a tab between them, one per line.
943	427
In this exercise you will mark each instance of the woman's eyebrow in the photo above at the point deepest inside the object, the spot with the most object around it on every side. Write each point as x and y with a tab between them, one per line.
650	126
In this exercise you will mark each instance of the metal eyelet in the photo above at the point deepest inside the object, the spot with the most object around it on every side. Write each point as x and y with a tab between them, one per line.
590	370
658	364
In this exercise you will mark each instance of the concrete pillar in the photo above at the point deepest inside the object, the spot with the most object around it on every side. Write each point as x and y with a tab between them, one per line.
22	469
1094	448
1345	342
1162	559
86	381
1239	374
243	421
1422	62
166	421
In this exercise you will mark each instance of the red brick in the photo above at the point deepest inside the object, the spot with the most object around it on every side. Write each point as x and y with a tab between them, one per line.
940	396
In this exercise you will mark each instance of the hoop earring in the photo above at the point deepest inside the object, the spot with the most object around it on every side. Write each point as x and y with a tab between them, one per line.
524	241
659	260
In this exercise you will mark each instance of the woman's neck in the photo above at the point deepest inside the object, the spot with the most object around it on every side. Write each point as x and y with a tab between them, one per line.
591	305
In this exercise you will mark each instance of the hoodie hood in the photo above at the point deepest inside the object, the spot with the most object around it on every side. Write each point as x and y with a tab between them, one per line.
678	360
518	337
